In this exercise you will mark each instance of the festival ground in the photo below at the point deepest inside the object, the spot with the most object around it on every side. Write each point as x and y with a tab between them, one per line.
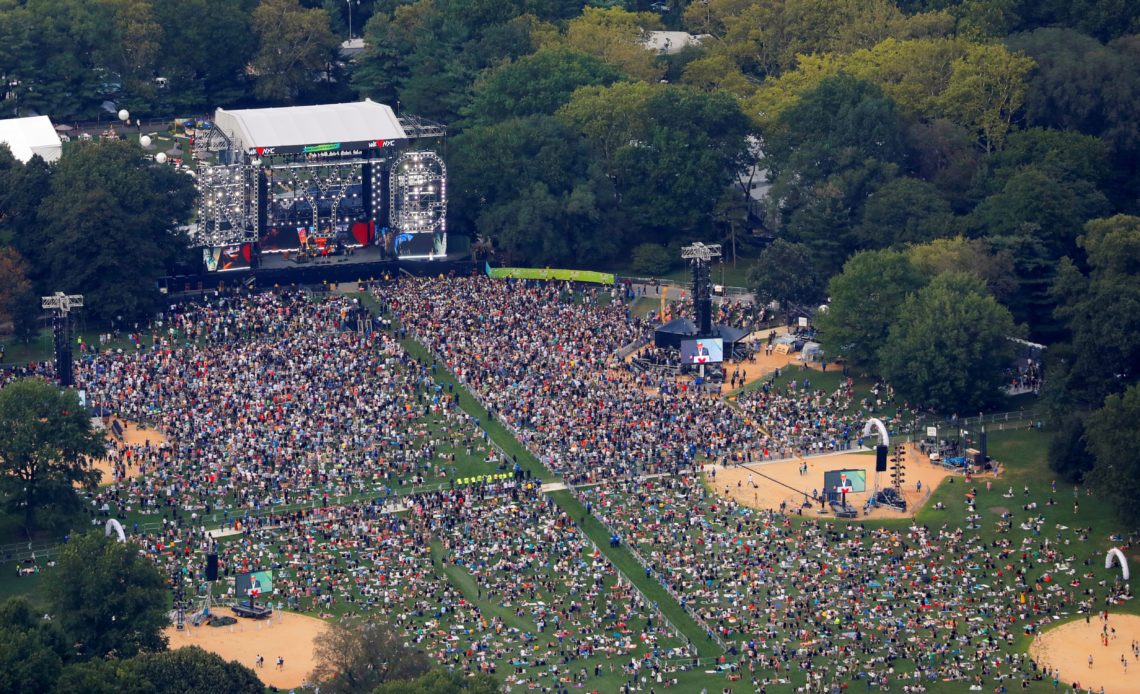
768	484
285	635
1077	649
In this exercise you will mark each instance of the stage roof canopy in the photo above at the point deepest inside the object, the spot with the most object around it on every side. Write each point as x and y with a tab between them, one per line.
292	127
27	137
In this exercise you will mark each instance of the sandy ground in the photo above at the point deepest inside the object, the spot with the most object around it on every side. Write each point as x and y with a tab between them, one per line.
132	434
286	634
766	493
1069	646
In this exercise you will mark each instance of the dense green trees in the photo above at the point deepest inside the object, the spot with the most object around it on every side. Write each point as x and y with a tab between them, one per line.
1114	439
38	655
360	657
108	598
949	346
107	228
784	273
43	452
865	302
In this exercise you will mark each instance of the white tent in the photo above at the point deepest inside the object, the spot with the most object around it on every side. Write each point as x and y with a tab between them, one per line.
811	352
294	127
27	137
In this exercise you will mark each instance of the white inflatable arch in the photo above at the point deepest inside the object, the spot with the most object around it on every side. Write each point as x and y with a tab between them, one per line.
873	424
114	526
1119	556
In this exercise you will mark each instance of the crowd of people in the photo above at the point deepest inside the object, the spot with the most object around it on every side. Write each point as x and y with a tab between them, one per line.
566	619
274	399
301	424
831	603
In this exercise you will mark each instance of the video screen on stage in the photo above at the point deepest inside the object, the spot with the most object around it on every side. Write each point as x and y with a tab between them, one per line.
252	585
705	351
420	245
227	258
281	238
849	481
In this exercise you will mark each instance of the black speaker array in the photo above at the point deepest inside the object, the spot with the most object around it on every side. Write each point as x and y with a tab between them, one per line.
211	567
880	458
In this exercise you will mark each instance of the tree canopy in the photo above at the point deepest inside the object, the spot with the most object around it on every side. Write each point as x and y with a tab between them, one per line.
108	599
950	346
361	657
865	302
45	447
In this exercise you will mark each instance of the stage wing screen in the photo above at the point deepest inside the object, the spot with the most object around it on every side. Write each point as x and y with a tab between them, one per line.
227	258
420	245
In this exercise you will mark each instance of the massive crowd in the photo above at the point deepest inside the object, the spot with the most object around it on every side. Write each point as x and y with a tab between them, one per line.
293	422
274	399
835	602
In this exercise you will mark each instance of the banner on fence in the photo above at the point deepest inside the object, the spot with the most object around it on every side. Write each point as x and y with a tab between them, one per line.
533	273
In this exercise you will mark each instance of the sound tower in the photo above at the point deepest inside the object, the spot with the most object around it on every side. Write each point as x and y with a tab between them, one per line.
211	567
880	458
63	354
982	446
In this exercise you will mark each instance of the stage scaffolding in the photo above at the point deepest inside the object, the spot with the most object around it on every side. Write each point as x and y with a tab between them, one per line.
269	195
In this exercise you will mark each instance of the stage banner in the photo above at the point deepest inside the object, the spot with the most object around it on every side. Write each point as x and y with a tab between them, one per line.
532	273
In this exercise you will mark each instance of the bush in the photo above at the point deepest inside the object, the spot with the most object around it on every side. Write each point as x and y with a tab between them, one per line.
651	259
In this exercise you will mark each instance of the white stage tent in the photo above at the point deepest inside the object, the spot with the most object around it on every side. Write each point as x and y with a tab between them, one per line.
294	128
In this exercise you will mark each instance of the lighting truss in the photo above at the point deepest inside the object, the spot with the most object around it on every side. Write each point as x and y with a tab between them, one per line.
227	199
417	194
324	184
701	252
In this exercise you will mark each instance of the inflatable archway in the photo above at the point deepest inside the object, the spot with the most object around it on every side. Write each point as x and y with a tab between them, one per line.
114	526
873	424
1115	553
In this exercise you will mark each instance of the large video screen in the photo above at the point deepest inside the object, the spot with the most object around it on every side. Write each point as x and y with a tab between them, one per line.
420	245
849	481
705	351
226	258
252	585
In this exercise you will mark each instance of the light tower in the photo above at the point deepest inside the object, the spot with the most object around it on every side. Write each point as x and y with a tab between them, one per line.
699	256
61	304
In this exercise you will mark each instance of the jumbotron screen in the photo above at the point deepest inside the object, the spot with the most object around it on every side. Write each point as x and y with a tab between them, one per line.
849	481
705	351
253	585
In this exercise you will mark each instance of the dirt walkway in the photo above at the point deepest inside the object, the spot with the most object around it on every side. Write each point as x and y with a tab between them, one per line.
286	635
133	435
766	485
1068	648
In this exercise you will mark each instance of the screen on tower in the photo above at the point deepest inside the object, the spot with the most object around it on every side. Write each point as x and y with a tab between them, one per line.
704	351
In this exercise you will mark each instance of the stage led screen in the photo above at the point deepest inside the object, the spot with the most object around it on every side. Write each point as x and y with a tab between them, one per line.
704	351
253	585
420	245
851	481
282	238
227	258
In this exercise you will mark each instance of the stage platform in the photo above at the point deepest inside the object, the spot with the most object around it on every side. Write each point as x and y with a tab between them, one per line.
274	269
294	260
